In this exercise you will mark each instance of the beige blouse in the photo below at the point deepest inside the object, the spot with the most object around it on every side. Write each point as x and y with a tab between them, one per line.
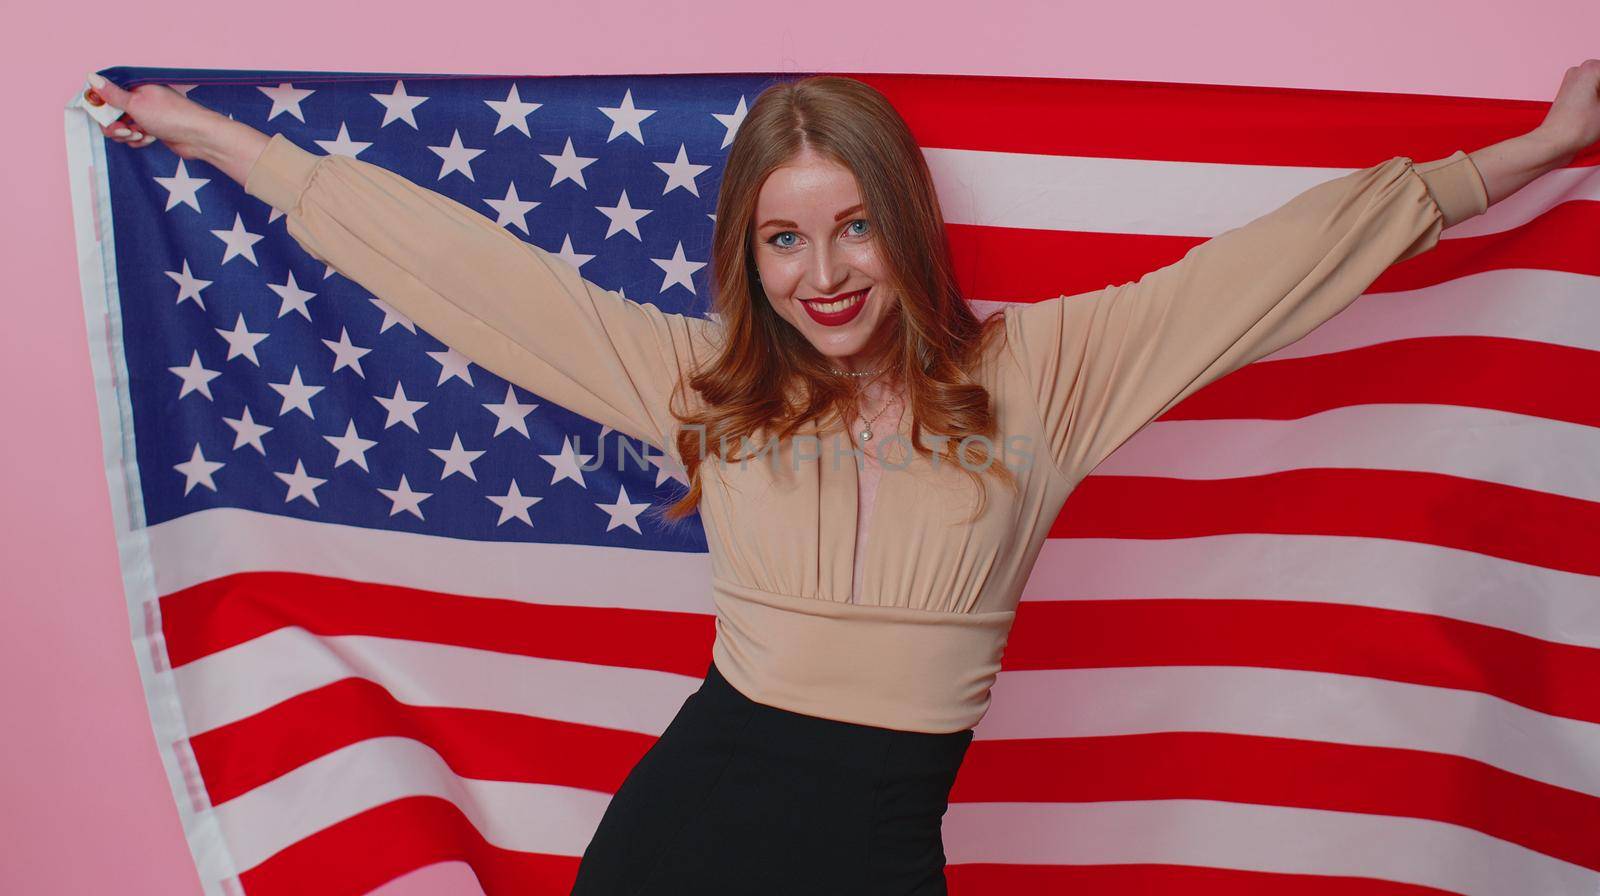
920	644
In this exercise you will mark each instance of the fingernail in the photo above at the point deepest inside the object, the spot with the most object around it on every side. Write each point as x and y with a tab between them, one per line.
137	135
96	80
121	132
93	98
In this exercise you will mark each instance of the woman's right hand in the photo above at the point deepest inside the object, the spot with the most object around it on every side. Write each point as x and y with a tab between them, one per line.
156	112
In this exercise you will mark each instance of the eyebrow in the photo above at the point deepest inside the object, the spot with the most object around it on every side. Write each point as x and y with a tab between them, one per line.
839	217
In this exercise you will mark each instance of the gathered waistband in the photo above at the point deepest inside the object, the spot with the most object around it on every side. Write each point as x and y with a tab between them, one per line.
885	667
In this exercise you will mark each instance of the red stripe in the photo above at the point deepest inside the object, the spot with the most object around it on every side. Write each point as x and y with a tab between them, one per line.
1526	526
1535	379
218	614
1302	774
1371	642
1182	765
1196	122
1023	265
498	746
981	879
374	847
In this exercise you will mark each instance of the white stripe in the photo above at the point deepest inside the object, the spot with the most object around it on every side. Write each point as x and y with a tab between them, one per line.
1550	307
1553	605
97	275
1315	706
205	545
538	818
1368	572
250	677
1256	838
1137	196
1450	440
553	820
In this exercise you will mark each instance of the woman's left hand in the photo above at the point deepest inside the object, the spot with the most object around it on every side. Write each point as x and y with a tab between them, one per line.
1574	116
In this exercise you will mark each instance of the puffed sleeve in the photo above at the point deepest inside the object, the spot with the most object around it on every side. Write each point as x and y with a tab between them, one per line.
506	305
1102	364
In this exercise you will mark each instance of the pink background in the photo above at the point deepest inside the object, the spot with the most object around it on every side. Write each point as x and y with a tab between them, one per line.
85	806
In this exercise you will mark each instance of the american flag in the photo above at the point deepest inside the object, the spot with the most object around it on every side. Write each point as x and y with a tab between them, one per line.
1331	626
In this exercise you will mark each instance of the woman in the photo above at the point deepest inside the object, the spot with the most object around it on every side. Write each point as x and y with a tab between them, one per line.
848	670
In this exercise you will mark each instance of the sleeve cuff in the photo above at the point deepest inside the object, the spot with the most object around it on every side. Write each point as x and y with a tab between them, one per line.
1456	186
280	174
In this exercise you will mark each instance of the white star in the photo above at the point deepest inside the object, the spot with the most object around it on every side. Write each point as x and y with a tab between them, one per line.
456	157
576	259
301	484
510	414
197	471
514	504
513	209
296	395
241	341
343	146
293	297
403	498
667	467
569	166
286	98
196	378
183	188
238	240
189	286
567	463
623	513
401	409
352	447
678	269
452	364
731	121
457	459
513	112
345	354
625	119
681	172
247	431
392	317
397	106
623	217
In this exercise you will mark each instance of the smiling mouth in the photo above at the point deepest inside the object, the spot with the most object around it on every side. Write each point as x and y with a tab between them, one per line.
834	306
836	312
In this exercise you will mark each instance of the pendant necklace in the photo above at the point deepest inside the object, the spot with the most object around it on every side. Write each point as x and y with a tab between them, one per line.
866	431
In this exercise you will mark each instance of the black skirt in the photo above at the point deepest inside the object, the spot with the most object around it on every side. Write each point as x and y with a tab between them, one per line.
737	797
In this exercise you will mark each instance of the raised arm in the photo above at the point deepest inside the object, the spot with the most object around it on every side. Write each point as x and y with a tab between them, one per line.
506	305
1102	364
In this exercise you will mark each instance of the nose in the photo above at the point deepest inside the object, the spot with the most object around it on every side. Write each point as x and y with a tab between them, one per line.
827	272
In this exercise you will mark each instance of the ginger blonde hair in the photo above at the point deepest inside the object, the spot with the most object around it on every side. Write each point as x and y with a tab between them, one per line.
767	378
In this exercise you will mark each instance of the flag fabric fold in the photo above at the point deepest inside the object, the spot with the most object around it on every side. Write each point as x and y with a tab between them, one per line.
1330	625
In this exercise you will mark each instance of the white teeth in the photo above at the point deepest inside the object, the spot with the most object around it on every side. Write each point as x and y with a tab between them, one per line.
839	305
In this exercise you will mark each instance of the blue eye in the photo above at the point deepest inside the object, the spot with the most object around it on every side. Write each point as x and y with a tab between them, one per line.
779	235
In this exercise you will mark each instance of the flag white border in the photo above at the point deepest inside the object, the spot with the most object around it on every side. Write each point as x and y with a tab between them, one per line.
97	274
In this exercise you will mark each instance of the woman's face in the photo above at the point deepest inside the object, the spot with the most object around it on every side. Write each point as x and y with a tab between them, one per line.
817	254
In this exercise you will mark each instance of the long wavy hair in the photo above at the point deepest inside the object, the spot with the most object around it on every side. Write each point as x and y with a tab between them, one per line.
767	378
